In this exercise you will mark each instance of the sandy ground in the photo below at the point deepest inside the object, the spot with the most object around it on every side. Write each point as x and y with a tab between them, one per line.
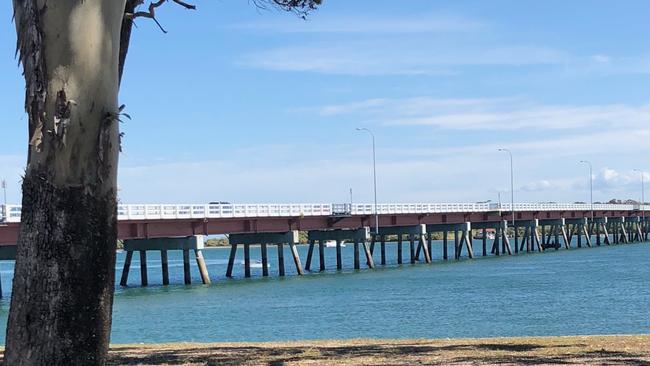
587	350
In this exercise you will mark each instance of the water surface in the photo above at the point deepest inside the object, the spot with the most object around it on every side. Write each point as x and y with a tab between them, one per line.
600	290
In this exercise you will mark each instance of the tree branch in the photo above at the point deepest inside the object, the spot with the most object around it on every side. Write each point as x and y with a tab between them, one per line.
151	11
130	14
300	7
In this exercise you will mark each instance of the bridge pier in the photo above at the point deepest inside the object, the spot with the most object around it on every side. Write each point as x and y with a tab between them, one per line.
163	245
462	237
264	239
357	236
619	233
601	224
415	232
578	227
530	238
501	243
557	230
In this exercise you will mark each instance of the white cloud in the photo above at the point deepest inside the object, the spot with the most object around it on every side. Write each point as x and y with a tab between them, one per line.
601	59
397	57
492	114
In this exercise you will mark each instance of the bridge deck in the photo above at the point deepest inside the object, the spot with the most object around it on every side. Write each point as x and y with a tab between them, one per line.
161	220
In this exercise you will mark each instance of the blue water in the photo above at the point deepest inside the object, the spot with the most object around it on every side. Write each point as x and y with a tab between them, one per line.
601	290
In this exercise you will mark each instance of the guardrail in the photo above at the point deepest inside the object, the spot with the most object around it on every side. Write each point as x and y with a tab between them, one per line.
11	213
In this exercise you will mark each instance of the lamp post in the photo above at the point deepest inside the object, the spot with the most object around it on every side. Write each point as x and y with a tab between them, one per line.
3	184
374	175
642	196
4	189
591	188
512	192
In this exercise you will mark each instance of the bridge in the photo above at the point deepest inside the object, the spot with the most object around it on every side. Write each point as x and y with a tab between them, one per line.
142	221
163	227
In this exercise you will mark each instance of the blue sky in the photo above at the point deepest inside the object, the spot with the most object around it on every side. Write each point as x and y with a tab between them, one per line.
245	105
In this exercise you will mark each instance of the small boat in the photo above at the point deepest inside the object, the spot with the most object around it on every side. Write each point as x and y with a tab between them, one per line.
488	235
256	264
332	244
552	245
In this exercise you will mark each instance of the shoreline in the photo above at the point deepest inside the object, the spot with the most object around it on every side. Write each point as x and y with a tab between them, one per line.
547	350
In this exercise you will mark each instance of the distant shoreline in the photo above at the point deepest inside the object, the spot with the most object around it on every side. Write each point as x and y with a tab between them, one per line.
574	350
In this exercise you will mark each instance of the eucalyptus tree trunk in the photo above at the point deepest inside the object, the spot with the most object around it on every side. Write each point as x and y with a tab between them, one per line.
64	277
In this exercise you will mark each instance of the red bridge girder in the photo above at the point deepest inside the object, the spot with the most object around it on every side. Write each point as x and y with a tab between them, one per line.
141	229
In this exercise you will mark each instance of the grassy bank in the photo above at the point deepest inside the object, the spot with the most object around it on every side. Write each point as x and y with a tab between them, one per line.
578	350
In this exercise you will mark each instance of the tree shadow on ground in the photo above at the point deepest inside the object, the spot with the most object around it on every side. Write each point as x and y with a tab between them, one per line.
394	354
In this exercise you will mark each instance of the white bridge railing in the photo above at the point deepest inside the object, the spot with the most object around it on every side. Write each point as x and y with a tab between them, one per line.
11	213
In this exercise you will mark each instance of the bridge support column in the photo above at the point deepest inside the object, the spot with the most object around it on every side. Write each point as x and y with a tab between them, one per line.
484	241
264	251
359	237
310	252
127	267
638	231
497	238
558	229
567	242
414	233
601	224
164	263
357	265
187	276
580	227
265	239
321	255
505	241
425	245
501	243
339	257
412	247
144	281
586	231
163	245
626	237
296	258
399	248
444	244
280	247
231	259
203	269
516	237
247	260
462	233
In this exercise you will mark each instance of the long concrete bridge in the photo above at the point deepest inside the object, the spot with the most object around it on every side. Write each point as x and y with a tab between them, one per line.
163	227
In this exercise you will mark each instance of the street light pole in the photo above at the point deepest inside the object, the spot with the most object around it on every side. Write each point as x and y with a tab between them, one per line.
512	192
374	175
642	196
591	188
4	189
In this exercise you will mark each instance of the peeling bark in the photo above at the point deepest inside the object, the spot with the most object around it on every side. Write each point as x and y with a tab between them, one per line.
65	263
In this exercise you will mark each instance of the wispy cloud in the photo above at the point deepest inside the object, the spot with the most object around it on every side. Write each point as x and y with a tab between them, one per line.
491	114
398	57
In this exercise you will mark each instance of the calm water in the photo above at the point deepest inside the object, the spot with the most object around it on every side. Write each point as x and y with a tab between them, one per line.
582	291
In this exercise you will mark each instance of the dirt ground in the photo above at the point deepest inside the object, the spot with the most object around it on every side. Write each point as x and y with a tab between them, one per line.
579	350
